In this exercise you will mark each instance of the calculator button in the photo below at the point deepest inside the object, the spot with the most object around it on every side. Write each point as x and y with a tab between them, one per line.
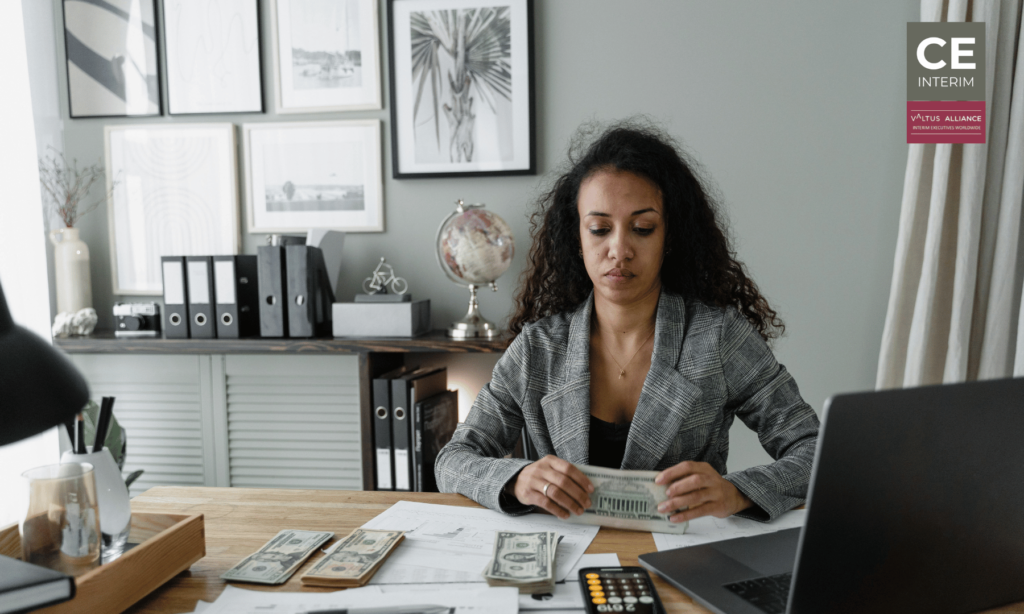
646	599
593	581
614	600
591	576
599	600
596	594
603	608
616	608
629	599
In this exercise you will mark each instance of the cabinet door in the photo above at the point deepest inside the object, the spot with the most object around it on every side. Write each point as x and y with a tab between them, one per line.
163	403
293	421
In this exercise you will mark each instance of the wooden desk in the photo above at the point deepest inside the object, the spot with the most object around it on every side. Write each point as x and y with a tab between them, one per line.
239	521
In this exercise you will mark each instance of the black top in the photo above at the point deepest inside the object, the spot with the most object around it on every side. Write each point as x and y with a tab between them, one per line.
607	443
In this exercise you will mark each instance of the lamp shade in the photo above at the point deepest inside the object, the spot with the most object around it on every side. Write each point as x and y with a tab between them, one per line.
39	387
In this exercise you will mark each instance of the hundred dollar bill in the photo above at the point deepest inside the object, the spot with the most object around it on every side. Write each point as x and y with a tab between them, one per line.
523	560
278	559
354	561
626	500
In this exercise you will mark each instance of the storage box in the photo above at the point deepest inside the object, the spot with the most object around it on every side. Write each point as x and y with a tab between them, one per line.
381	319
167	544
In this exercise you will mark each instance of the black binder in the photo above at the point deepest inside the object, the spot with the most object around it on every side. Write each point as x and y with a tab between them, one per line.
273	298
309	292
405	391
200	297
175	297
237	294
434	422
384	471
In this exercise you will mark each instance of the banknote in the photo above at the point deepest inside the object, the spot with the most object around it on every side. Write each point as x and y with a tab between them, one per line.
278	559
523	560
625	499
354	561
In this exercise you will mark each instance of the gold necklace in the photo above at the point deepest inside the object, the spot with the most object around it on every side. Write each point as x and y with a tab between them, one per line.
622	368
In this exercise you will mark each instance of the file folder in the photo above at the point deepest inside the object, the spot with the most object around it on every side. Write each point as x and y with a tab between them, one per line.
384	470
434	422
273	297
309	292
237	296
175	297
405	391
200	297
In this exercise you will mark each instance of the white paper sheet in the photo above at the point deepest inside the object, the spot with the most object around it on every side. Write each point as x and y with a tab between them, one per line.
451	544
710	529
477	600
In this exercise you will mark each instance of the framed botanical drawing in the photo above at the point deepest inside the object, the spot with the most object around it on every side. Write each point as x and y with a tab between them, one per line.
303	175
326	55
174	194
112	59
213	56
461	87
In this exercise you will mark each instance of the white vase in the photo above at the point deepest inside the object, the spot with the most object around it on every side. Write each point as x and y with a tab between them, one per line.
112	494
71	266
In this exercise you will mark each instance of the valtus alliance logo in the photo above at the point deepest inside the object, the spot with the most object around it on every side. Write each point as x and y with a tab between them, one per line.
945	82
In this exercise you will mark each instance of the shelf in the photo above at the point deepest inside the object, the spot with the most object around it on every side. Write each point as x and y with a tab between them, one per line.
104	342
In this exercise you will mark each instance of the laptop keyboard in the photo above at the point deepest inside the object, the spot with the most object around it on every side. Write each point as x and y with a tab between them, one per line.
769	593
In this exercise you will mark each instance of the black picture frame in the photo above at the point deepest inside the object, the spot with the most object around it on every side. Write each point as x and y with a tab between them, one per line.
512	113
260	68
97	79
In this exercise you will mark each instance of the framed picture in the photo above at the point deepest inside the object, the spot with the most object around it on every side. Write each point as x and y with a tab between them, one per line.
174	194
112	59
326	55
304	175
213	56
461	87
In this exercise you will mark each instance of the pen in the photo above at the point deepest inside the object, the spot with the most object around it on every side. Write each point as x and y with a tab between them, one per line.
79	435
103	424
403	609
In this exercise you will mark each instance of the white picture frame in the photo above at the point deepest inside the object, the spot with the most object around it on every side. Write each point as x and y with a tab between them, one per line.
212	50
174	194
337	73
302	175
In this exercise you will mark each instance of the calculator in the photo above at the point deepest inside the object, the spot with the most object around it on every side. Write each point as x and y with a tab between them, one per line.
619	589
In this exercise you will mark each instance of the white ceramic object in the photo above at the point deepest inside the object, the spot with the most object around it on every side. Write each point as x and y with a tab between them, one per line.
115	506
71	268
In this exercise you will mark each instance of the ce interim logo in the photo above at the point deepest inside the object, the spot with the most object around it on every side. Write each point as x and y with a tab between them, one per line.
945	82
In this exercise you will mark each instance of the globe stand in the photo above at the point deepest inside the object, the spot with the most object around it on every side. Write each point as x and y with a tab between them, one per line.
473	325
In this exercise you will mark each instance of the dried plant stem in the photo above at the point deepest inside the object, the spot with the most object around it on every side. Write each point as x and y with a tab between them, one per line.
67	185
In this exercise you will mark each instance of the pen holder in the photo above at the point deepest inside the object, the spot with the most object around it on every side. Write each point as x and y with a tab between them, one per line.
114	504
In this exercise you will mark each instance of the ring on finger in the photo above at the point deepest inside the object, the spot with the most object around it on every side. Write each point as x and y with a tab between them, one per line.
545	490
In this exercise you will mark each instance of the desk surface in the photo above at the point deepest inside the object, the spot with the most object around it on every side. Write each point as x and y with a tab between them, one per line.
238	521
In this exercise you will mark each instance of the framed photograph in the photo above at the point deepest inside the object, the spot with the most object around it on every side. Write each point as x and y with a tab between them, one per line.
174	194
213	56
326	55
461	87
304	175
112	59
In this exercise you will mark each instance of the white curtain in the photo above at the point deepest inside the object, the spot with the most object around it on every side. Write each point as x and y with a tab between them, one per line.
955	302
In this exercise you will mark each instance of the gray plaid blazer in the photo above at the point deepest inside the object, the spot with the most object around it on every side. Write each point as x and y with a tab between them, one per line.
709	366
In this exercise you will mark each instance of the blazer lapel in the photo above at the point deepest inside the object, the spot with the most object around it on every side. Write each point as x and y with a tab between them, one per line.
666	397
567	408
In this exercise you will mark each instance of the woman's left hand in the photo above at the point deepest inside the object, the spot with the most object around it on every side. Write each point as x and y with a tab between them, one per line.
700	488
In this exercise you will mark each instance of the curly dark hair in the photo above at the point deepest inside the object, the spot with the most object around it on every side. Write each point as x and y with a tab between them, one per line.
699	262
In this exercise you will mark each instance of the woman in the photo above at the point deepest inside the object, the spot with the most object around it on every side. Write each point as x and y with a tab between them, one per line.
638	339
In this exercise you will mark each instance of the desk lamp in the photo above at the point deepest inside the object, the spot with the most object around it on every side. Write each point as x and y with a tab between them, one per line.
39	387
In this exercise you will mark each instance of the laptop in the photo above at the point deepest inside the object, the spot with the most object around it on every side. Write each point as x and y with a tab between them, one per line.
916	504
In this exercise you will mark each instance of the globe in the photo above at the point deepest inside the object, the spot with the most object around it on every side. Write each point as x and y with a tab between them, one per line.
474	247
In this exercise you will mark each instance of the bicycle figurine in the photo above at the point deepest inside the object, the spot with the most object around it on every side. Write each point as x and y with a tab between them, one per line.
377	283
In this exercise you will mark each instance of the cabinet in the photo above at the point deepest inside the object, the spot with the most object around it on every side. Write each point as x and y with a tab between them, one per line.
258	413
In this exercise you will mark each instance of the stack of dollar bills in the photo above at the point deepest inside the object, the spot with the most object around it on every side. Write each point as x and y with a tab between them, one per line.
278	559
523	560
354	560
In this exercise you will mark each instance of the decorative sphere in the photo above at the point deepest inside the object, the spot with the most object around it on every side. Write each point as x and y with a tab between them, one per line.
475	246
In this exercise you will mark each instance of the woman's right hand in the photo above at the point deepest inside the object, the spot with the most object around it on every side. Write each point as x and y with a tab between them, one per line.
568	490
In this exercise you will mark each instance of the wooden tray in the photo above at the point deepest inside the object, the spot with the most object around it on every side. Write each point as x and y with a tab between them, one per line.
168	544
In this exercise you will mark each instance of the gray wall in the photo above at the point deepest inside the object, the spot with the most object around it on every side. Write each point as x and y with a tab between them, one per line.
795	109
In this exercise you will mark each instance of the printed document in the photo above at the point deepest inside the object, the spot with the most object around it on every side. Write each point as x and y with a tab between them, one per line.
710	529
446	544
